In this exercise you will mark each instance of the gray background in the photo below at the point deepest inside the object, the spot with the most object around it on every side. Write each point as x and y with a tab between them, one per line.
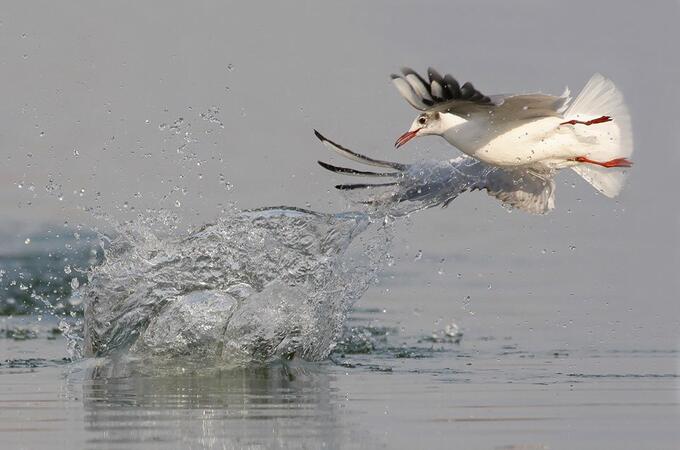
596	275
100	78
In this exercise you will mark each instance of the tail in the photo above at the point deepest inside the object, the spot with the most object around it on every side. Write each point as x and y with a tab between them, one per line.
605	141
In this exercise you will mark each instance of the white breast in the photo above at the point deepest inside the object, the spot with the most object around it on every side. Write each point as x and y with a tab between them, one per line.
542	141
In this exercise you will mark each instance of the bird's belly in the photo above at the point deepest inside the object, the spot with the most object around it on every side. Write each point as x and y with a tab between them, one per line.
541	141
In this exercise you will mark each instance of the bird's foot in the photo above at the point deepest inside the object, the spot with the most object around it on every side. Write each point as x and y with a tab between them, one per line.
602	119
618	162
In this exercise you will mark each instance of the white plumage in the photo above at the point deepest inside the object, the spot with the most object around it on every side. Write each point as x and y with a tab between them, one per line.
539	132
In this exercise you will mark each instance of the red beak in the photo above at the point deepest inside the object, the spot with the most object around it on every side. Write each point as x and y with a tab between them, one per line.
404	138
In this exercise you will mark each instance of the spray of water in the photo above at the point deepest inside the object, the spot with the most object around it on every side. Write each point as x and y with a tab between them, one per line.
253	287
259	285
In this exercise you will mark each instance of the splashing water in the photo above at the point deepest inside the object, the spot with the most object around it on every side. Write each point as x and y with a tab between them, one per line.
261	285
254	287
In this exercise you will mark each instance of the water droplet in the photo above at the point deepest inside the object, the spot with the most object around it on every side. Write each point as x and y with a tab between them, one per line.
76	153
452	330
75	283
27	241
178	204
42	134
230	67
75	299
177	125
162	126
227	185
67	269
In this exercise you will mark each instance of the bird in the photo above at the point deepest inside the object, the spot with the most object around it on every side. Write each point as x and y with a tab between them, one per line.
401	189
538	132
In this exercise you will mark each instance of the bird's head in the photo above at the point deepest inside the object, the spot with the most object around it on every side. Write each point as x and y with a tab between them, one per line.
428	123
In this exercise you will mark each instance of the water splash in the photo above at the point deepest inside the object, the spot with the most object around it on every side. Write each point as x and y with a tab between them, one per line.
260	285
254	287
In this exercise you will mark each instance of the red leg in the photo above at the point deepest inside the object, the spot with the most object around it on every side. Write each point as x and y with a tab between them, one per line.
602	119
618	162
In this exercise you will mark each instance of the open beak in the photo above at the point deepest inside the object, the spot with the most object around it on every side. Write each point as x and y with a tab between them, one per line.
404	138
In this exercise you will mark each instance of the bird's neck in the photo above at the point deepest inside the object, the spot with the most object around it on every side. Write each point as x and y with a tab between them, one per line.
458	131
449	121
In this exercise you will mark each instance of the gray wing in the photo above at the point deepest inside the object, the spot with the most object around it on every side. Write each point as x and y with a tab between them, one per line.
510	108
522	189
425	184
444	94
439	93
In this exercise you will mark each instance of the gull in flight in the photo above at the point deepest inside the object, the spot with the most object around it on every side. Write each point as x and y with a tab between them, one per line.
537	133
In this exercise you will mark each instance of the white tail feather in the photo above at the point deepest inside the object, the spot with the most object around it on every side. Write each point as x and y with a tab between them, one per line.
609	140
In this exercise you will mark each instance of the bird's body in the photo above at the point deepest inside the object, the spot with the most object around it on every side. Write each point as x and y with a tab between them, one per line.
538	132
541	143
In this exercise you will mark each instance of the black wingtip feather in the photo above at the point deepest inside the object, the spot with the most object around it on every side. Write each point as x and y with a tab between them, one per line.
467	90
451	85
348	171
358	156
325	165
450	88
319	136
349	187
409	71
435	76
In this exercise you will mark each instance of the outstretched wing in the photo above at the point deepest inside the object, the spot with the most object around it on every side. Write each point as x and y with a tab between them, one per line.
439	93
349	154
521	189
425	184
445	94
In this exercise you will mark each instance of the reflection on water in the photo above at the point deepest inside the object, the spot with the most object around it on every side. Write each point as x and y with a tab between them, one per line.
385	388
220	409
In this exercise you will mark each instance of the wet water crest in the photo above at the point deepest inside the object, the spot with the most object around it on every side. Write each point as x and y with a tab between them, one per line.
251	288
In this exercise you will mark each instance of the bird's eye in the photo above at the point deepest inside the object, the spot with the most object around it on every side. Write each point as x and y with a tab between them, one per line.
422	120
